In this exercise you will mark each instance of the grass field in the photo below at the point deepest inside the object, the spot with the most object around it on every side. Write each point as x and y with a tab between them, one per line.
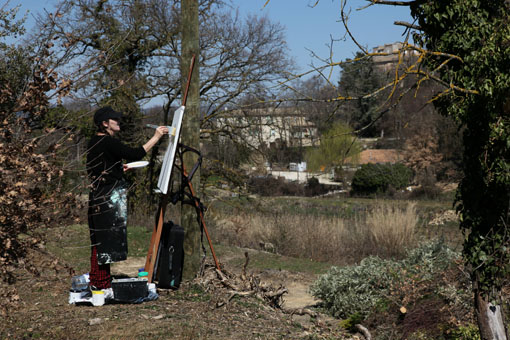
334	230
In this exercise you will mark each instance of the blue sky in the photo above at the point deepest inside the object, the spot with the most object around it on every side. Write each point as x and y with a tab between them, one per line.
311	27
307	27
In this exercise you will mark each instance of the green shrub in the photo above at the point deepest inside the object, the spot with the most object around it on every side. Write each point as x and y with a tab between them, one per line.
360	289
313	187
355	289
350	323
377	178
429	259
399	175
469	332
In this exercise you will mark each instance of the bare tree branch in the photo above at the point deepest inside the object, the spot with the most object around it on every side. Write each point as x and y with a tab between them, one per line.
391	3
408	25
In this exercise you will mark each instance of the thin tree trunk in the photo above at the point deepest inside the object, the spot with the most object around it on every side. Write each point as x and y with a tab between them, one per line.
491	320
190	133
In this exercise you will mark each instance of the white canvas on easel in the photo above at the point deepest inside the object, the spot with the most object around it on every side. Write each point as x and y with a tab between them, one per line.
168	162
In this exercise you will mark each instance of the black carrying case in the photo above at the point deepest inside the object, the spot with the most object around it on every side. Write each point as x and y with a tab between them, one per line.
129	289
170	256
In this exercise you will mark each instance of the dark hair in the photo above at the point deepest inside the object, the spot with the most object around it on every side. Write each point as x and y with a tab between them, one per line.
100	127
103	114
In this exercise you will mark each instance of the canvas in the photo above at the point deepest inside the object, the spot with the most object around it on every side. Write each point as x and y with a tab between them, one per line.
168	160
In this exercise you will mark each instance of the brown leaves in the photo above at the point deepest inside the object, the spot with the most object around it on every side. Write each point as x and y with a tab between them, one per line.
28	198
422	152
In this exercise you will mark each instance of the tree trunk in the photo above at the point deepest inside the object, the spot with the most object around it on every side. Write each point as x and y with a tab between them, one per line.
491	321
190	133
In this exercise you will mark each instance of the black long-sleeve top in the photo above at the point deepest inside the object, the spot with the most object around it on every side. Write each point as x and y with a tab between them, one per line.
104	159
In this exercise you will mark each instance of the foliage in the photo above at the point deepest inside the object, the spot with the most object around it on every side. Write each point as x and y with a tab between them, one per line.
313	187
477	34
377	178
281	153
336	145
320	112
227	151
30	193
360	289
360	78
357	289
271	186
110	46
350	323
469	332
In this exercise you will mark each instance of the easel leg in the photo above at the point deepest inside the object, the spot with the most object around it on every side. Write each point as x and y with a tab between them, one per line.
152	253
202	220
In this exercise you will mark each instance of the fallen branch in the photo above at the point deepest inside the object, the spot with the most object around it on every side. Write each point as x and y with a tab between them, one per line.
247	260
245	285
364	331
302	311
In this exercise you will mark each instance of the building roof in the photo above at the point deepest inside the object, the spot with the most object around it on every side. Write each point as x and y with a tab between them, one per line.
379	156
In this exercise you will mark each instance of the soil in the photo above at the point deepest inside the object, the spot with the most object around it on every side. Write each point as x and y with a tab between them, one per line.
297	284
191	312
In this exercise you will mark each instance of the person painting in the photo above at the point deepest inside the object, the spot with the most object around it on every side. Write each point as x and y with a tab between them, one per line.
107	212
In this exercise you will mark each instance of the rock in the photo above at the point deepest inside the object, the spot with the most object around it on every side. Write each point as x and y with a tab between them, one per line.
303	320
444	217
267	246
95	321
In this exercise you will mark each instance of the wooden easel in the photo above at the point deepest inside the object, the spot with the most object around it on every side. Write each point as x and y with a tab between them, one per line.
152	253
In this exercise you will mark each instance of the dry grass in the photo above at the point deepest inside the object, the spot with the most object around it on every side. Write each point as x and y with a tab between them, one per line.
386	231
392	229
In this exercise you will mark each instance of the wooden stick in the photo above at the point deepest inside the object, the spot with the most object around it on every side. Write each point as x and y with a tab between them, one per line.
192	64
363	330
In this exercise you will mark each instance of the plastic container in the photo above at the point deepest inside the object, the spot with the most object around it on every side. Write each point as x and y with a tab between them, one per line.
143	275
80	282
74	296
97	298
152	288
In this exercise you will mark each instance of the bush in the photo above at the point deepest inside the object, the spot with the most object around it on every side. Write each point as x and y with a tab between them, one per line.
377	178
359	289
355	289
314	188
468	332
270	186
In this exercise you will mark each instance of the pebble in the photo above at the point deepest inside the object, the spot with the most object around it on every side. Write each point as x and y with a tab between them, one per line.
95	321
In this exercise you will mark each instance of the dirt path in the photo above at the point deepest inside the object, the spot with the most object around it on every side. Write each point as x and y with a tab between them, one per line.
298	296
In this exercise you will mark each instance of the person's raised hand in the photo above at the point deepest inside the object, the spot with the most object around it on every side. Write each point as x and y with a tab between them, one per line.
160	131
